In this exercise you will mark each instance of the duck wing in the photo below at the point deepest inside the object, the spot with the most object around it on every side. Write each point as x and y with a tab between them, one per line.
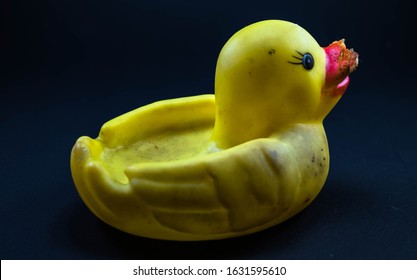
225	193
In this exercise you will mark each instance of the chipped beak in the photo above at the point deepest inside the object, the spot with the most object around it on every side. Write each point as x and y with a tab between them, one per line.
340	62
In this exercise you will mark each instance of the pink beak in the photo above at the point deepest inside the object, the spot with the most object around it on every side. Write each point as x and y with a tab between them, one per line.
340	62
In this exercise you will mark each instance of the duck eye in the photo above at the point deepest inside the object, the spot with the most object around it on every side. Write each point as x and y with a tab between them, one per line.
308	61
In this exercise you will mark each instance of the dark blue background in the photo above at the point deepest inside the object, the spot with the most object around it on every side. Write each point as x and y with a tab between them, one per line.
69	66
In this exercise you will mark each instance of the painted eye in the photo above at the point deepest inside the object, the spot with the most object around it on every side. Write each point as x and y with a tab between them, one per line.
308	61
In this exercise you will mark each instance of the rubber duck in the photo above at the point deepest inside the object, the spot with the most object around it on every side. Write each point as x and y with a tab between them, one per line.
215	166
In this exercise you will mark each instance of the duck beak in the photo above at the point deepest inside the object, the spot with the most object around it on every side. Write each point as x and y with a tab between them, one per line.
340	62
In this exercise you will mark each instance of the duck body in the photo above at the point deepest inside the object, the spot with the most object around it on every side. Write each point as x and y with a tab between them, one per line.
172	184
179	170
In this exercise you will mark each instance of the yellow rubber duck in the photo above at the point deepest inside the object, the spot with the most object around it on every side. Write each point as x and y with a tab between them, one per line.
224	165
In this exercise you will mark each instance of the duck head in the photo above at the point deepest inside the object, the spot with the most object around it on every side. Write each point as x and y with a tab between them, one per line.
273	74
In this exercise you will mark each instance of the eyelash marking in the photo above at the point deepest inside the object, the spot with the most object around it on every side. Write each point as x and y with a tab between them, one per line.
296	57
